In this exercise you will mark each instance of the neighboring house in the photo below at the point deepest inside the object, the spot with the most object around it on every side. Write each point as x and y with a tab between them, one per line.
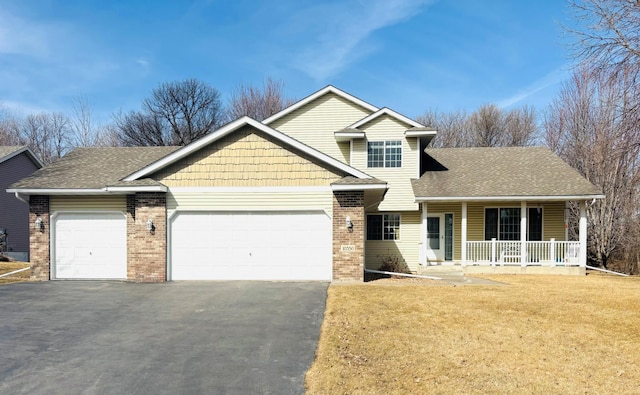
318	191
16	162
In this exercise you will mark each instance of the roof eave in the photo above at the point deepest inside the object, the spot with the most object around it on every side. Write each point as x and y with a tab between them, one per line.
357	187
421	199
112	190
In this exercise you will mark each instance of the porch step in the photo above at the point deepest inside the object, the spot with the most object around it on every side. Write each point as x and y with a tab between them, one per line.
440	270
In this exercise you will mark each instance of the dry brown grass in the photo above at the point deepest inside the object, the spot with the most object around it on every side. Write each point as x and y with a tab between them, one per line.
538	334
6	267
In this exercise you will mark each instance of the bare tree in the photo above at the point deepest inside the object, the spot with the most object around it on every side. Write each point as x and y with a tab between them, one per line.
489	126
258	103
607	36
177	113
47	134
590	126
451	127
9	130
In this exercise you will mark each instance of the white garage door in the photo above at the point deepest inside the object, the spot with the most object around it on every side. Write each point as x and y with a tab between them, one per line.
90	246
251	246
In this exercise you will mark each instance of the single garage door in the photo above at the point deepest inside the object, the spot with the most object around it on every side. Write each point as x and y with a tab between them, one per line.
251	246
90	246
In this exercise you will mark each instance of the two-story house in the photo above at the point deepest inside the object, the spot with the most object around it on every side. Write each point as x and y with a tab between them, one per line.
319	191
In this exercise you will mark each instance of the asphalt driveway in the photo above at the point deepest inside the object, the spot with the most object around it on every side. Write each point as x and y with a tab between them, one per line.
174	338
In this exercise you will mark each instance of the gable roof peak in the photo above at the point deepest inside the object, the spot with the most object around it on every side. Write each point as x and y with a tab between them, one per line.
324	91
386	111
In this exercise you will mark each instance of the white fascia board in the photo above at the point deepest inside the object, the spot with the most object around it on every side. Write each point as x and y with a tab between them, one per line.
314	96
506	198
258	189
420	133
146	188
356	187
67	191
348	136
89	191
391	113
235	125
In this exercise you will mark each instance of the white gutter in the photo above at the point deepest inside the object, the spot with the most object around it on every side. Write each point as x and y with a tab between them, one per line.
505	198
402	274
19	197
357	187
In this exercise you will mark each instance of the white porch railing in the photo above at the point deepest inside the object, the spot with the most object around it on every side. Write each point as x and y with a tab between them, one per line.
547	253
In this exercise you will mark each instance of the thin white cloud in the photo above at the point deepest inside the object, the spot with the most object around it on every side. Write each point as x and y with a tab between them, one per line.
551	79
19	36
342	30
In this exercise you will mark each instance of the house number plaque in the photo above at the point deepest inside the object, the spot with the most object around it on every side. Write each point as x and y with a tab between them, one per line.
347	248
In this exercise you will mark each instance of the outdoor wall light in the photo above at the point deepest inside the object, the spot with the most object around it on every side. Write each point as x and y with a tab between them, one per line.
348	222
38	224
150	226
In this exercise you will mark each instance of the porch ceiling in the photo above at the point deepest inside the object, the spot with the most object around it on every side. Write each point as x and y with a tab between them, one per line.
532	173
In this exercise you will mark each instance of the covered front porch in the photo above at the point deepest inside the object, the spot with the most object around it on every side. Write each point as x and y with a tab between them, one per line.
500	234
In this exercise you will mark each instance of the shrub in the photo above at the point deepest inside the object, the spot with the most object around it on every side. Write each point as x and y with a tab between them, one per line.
393	263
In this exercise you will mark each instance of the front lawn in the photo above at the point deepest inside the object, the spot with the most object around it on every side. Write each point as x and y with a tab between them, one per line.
537	334
6	267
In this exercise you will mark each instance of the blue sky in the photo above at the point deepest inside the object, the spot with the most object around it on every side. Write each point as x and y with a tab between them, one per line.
409	55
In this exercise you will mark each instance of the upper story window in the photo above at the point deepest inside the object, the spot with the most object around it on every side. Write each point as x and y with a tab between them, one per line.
384	153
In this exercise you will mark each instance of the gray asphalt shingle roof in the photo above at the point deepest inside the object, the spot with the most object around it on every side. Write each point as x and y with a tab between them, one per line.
351	180
8	149
93	168
500	172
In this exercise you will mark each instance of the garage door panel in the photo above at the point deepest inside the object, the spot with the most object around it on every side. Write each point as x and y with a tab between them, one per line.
251	245
90	246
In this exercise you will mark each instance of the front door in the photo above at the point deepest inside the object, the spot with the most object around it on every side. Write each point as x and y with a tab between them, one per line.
440	237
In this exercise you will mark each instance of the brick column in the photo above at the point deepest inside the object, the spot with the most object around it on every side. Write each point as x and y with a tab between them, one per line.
348	244
146	250
39	254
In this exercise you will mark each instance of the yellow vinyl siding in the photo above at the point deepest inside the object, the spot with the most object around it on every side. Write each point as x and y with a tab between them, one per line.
400	194
406	249
315	123
88	203
553	220
248	201
244	159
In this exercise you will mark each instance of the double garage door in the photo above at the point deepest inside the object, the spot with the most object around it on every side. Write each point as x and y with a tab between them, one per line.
203	246
250	246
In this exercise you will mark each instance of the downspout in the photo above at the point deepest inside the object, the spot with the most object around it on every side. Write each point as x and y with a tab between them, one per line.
19	197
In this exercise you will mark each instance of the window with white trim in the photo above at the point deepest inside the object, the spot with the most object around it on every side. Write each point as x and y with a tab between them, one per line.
504	223
384	153
383	227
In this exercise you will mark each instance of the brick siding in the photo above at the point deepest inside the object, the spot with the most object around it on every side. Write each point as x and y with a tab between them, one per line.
40	255
348	265
146	250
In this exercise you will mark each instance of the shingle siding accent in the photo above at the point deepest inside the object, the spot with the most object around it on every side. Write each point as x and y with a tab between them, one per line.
348	265
245	158
40	254
146	250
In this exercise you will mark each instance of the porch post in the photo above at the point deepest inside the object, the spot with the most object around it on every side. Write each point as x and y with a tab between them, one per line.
463	231
582	234
423	235
523	233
